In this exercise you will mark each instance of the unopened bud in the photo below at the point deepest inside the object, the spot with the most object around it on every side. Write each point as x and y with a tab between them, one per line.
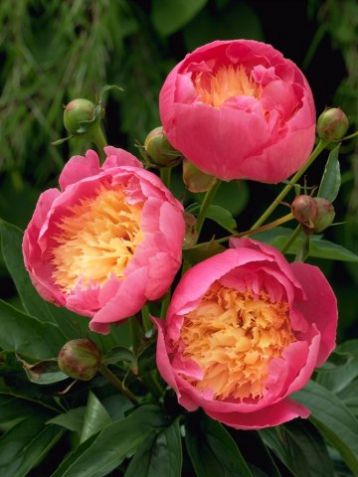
191	235
325	214
79	359
315	214
159	150
304	210
332	125
195	180
79	115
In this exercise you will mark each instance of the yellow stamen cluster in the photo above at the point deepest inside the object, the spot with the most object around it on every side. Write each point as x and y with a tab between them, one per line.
97	238
227	82
233	336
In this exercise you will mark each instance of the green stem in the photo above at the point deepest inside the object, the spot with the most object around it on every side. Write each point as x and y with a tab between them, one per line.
292	239
351	136
117	383
98	138
208	198
165	175
136	327
316	40
263	228
165	304
303	251
315	153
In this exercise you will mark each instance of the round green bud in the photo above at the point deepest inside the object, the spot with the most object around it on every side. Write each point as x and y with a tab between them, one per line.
196	180
79	115
325	214
79	359
332	125
304	210
159	150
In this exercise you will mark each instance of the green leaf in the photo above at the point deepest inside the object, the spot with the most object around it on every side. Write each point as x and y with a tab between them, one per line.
146	359
43	372
28	336
118	354
71	420
331	179
200	252
301	448
25	445
212	450
319	248
168	16
336	377
11	246
114	443
349	395
12	408
222	217
95	418
159	456
334	420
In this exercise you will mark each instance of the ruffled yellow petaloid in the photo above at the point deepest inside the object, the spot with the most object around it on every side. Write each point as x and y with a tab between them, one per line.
227	82
233	336
97	238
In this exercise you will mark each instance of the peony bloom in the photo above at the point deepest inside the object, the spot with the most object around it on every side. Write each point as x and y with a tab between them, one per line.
244	330
108	241
239	110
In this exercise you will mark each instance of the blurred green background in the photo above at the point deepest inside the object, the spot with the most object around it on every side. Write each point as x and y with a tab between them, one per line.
52	51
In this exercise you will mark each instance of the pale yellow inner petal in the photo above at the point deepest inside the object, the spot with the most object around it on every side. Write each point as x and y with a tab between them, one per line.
227	82
97	238
233	336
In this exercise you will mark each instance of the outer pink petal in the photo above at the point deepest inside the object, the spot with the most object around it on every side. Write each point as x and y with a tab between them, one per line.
165	366
128	300
320	307
274	415
39	269
198	279
117	157
79	167
205	136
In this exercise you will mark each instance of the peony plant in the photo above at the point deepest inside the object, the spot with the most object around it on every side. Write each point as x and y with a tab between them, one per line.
189	330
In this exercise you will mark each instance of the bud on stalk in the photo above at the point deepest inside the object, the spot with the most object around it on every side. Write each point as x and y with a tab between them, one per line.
159	150
332	125
195	180
79	115
315	214
79	359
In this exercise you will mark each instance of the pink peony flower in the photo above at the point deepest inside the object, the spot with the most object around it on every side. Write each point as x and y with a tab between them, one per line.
108	241
239	110
245	329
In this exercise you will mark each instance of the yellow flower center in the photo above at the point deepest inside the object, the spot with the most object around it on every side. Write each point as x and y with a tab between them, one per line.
227	82
233	336
97	239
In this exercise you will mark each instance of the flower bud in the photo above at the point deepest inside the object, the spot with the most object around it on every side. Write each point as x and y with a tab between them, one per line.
191	234
194	179
304	210
332	125
159	150
315	214
325	214
79	115
79	359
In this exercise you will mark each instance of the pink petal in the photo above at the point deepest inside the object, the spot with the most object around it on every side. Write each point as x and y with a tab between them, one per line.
274	415
320	307
79	167
117	157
